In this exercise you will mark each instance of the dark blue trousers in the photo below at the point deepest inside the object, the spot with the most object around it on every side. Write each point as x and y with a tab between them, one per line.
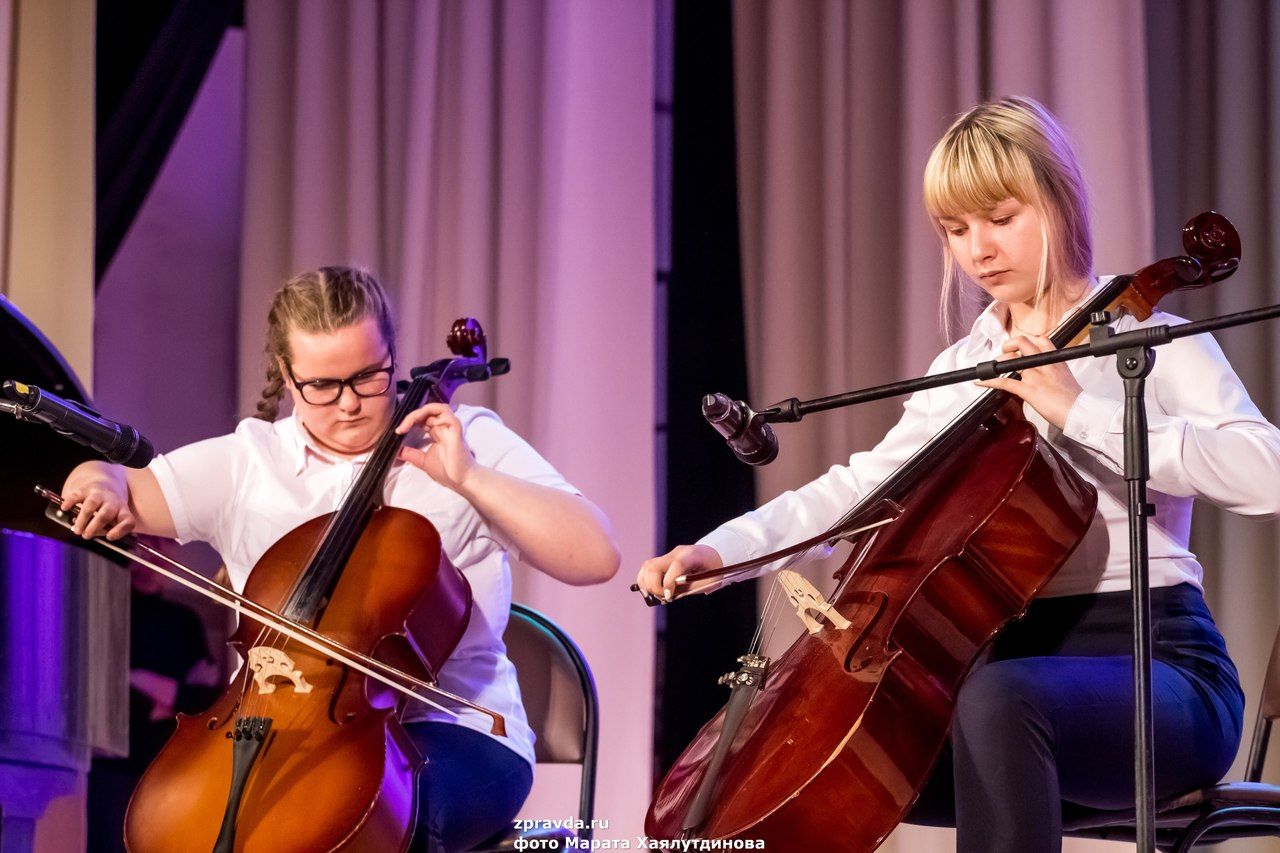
1045	725
470	789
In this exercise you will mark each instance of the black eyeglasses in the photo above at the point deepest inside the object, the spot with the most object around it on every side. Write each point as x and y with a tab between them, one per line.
326	392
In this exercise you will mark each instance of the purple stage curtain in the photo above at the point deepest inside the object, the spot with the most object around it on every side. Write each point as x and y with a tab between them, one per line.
1215	128
492	159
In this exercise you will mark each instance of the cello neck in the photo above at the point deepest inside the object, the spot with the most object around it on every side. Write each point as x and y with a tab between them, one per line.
316	583
1115	293
434	383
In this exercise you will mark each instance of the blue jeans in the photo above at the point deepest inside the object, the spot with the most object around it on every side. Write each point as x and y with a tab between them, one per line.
1045	725
470	789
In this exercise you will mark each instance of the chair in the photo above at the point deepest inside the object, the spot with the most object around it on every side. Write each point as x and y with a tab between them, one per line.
560	700
1218	813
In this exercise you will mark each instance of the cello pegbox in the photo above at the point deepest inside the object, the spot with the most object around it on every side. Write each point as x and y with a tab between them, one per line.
466	339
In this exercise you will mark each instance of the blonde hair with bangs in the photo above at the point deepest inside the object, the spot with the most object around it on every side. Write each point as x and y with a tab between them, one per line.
1010	148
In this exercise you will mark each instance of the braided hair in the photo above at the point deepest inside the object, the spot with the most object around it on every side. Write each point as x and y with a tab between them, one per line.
322	300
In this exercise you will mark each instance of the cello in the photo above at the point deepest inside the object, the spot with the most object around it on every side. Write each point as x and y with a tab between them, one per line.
304	751
830	744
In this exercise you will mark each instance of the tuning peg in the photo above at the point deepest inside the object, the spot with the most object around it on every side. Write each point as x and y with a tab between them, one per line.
466	338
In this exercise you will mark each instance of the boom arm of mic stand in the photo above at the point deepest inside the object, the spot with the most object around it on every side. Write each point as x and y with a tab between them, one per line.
792	409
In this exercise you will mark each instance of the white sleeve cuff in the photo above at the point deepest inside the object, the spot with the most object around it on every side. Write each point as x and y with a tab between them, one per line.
1091	418
731	547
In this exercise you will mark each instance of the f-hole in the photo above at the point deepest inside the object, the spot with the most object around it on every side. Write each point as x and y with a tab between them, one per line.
857	658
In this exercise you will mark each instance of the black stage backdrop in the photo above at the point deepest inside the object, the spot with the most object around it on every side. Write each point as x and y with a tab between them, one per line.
701	637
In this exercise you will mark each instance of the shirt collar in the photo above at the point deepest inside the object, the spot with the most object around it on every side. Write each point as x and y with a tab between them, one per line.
302	446
989	328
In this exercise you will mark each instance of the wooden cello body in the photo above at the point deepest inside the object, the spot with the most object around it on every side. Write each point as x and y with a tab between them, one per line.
303	752
336	771
855	718
845	727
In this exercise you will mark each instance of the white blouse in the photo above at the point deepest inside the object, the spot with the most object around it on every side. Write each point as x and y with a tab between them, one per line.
1207	439
242	492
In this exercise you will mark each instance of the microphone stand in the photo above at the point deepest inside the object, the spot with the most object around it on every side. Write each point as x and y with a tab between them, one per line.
1135	357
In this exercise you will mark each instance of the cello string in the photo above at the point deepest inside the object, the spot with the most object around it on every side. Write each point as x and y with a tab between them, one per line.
341	527
346	527
770	600
334	535
243	707
344	530
334	531
768	634
338	536
263	630
252	701
332	649
233	601
1102	299
755	637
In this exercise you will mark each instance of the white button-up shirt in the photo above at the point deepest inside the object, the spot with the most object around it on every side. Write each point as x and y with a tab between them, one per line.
1207	439
243	492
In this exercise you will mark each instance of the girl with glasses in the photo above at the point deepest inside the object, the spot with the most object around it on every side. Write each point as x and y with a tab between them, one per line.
331	350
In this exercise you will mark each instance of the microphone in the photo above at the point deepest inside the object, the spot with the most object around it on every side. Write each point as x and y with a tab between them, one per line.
748	436
117	442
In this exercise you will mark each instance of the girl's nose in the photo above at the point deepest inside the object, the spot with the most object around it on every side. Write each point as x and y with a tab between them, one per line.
349	401
981	246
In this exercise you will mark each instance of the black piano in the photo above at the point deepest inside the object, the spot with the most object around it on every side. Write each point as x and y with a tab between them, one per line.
64	621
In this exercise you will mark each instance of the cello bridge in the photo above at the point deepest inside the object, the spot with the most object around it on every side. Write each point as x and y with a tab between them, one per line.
267	663
808	602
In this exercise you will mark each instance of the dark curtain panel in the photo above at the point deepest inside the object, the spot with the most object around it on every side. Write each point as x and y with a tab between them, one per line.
152	56
706	352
